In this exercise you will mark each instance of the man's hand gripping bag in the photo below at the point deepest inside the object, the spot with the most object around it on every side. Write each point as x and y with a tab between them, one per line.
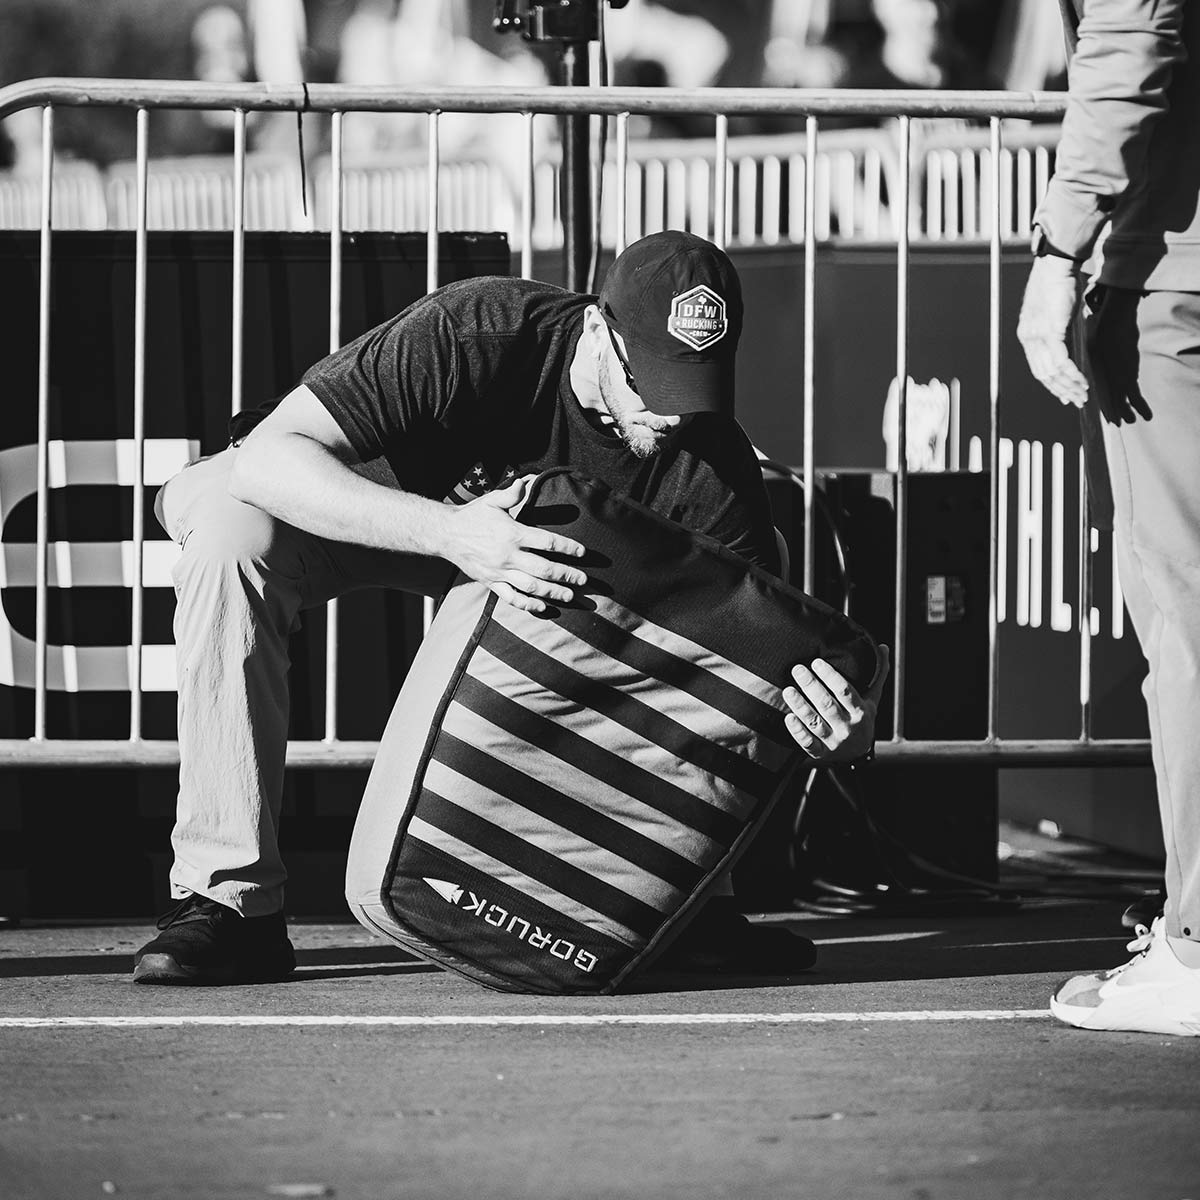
553	794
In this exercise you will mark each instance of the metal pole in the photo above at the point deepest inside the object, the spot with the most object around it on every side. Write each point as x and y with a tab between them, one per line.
335	341
1086	586
139	428
810	349
328	98
527	202
902	213
575	182
431	268
622	181
431	234
43	431
239	256
994	437
721	182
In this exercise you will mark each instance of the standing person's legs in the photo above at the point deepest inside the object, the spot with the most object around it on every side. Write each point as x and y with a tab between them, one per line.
1156	492
1147	346
241	580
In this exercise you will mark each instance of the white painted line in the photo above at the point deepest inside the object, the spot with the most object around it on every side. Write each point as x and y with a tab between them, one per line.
908	936
584	1019
903	937
1071	941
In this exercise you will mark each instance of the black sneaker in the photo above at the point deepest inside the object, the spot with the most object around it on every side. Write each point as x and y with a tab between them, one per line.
203	942
721	939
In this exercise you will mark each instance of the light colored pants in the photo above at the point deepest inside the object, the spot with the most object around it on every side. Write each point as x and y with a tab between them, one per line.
1151	342
240	583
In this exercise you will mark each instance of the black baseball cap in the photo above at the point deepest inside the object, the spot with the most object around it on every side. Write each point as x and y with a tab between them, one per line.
676	301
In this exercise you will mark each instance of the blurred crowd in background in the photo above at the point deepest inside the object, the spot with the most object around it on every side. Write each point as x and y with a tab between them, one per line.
973	44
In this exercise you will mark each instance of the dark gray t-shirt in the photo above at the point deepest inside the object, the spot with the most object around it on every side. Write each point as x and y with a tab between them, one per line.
474	380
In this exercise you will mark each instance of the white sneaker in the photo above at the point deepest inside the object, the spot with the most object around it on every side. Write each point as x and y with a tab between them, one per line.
1152	993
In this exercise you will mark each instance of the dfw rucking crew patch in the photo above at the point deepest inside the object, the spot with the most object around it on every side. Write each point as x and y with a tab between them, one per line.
697	317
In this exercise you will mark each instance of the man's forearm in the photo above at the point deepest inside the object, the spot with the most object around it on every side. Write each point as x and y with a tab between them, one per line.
298	480
1119	77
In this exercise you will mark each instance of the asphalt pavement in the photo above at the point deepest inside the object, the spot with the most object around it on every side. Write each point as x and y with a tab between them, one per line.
917	1060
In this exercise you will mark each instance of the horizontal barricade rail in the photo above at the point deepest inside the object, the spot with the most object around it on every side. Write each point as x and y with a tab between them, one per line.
962	163
669	183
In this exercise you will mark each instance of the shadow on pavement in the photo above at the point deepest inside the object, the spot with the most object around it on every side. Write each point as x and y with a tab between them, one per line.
330	962
1061	939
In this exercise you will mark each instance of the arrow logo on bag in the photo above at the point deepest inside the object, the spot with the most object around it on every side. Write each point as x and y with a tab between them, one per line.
448	891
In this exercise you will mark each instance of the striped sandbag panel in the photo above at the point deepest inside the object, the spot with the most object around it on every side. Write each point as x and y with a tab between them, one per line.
592	770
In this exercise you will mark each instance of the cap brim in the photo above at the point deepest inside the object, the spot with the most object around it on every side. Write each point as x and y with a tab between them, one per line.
675	387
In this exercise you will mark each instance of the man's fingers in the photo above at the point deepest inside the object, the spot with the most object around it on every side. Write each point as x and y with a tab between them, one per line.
816	698
828	691
1053	368
547	569
804	737
518	599
510	498
837	685
534	585
805	711
552	543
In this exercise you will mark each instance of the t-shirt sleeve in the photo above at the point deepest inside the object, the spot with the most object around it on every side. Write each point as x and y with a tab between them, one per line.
392	380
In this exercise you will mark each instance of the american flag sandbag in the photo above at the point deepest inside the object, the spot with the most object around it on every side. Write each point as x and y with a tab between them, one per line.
553	794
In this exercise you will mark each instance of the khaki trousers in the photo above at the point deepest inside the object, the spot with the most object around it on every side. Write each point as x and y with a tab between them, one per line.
240	583
1148	345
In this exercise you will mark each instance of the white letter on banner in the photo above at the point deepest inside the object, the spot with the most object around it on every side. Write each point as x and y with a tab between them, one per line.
1118	598
86	564
1029	533
1062	616
1005	455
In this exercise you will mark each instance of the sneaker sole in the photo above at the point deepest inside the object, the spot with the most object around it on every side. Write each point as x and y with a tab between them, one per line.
1118	1022
163	969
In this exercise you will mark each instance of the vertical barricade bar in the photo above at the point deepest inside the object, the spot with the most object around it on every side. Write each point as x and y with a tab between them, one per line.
431	237
622	181
994	436
902	217
335	341
527	202
139	429
1086	582
239	256
720	182
431	264
810	341
43	430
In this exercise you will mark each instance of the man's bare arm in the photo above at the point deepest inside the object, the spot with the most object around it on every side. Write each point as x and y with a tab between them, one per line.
297	465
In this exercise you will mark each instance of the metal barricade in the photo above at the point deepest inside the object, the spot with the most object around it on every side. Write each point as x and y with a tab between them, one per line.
620	104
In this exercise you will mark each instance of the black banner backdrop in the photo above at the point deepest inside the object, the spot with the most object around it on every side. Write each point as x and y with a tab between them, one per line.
64	833
96	841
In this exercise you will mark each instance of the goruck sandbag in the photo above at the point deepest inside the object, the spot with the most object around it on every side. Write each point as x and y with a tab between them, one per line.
554	794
